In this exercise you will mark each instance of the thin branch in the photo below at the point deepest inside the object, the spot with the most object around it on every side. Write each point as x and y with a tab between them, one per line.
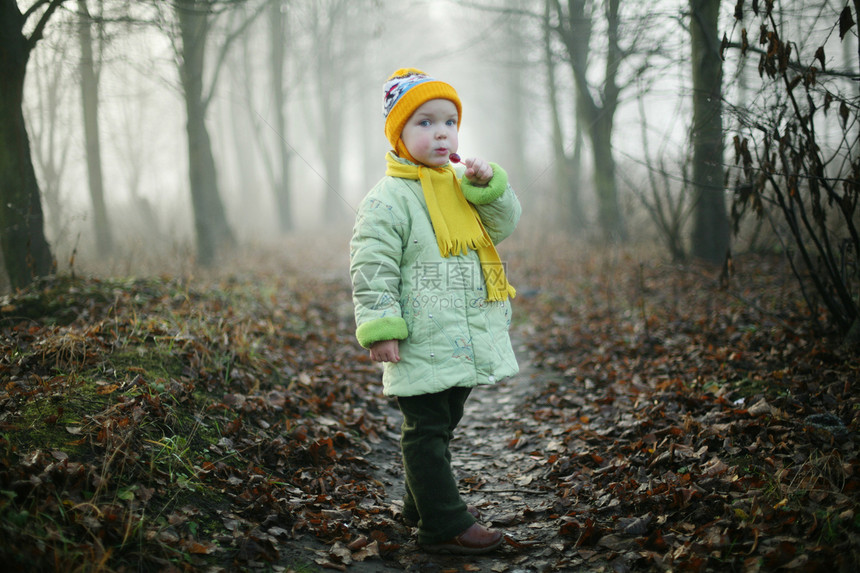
225	48
43	21
795	65
34	8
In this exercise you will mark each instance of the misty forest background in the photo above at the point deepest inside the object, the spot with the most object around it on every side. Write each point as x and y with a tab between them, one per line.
147	137
181	385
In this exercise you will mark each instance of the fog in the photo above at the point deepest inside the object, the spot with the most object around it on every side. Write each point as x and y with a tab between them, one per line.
492	52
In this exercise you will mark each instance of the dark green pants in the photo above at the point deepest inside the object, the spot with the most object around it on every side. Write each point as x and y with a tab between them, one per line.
432	498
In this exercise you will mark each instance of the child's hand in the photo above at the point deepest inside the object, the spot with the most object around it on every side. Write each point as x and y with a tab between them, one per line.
478	171
385	351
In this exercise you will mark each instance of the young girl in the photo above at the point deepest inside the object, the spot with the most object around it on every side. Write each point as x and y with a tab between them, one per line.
431	295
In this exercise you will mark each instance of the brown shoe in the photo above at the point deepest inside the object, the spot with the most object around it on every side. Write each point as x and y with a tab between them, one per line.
470	508
473	541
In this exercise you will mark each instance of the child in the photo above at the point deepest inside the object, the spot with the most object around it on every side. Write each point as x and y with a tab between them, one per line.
431	295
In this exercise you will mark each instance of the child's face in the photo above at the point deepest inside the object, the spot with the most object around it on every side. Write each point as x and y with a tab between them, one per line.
430	134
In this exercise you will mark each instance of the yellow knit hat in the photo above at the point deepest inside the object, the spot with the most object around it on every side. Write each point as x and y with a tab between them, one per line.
405	91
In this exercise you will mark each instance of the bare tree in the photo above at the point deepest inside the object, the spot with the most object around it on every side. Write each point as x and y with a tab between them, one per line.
278	42
210	220
45	116
596	105
26	253
129	122
327	23
710	234
336	37
798	152
89	82
259	115
194	20
666	202
515	94
568	163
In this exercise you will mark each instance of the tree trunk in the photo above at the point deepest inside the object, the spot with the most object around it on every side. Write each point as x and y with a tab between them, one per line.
569	213
576	31
278	42
246	126
608	209
334	207
26	253
710	234
90	101
48	146
330	94
210	221
513	154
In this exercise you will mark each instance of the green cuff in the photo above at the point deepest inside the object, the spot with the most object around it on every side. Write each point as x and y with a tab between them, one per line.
386	328
489	193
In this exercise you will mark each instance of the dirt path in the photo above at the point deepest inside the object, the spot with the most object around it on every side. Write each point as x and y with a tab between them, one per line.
499	456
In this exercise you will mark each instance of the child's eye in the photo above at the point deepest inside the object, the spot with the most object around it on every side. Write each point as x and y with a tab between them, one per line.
424	123
451	122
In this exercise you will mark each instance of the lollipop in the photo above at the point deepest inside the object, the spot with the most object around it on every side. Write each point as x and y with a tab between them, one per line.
454	158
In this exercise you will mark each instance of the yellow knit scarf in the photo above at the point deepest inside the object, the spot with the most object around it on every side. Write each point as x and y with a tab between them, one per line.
456	222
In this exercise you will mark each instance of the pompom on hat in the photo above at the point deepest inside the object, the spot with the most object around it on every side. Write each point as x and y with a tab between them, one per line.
405	91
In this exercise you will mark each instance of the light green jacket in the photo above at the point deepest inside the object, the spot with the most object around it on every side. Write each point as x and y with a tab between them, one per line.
403	289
